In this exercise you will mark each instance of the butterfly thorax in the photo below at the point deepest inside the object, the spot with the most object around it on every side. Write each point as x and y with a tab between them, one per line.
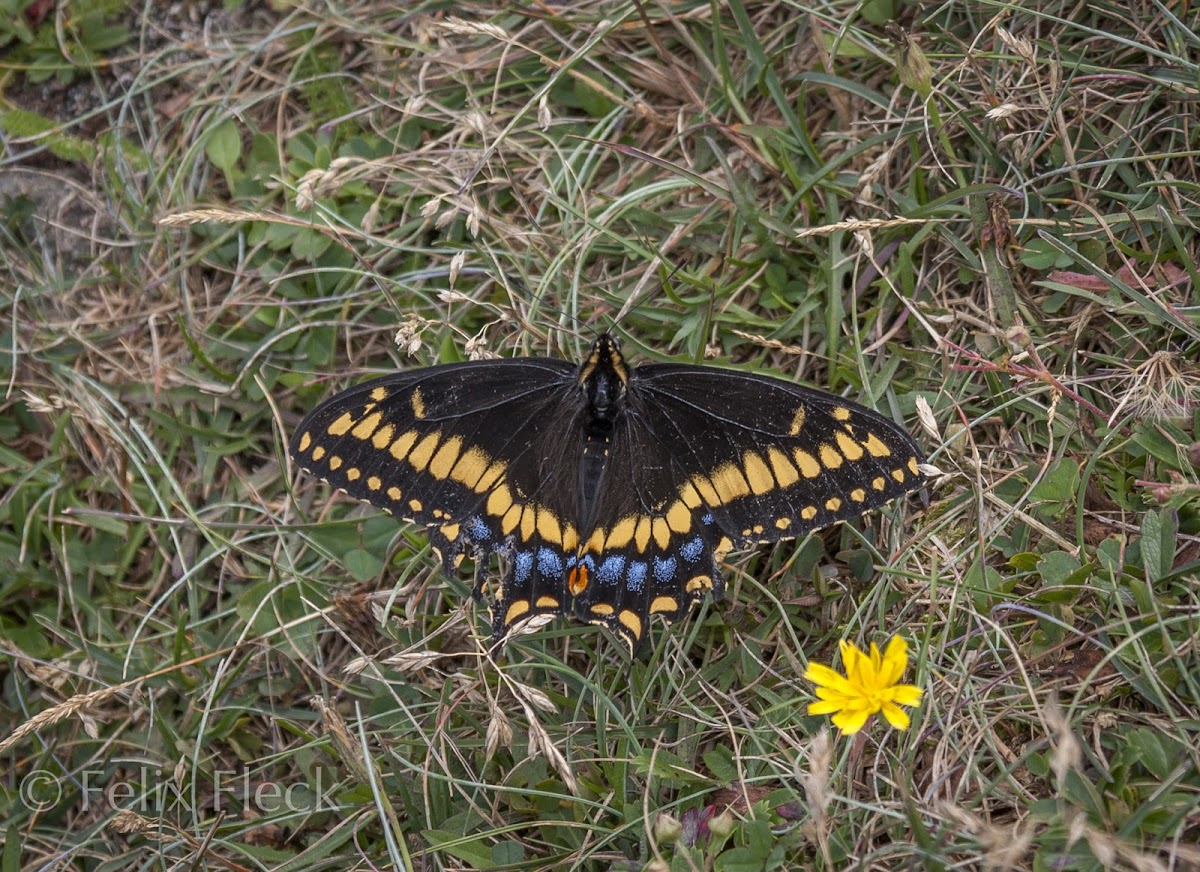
603	377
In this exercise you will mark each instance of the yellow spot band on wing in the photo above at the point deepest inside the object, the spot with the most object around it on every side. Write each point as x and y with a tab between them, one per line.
664	604
757	473
706	490
784	472
876	448
418	403
401	446
515	611
631	622
443	461
548	527
383	436
547	602
499	501
424	451
528	522
809	467
848	446
830	457
491	476
621	533
730	483
342	425
471	466
305	441
641	533
365	428
511	519
679	519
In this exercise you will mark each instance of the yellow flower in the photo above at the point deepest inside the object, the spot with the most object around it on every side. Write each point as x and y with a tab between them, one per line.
868	687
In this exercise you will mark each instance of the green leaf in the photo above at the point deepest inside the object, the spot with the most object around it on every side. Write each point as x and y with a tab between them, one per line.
471	850
1025	561
1158	543
363	565
1150	752
224	146
11	859
592	100
307	244
508	853
1055	493
1057	566
1041	255
720	763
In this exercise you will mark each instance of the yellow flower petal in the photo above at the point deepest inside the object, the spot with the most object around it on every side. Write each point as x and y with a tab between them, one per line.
853	661
850	722
823	676
845	700
896	716
825	707
876	658
906	694
895	661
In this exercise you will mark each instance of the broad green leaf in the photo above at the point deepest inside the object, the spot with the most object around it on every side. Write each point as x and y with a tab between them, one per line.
224	146
471	850
1158	543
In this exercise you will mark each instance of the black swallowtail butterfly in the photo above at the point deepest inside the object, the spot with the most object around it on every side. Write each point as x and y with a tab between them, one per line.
613	490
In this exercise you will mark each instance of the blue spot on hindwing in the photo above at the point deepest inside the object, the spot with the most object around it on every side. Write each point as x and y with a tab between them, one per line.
610	570
636	575
664	569
549	563
478	531
692	550
522	566
707	519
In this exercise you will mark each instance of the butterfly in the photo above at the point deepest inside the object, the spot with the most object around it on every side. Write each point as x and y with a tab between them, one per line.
614	491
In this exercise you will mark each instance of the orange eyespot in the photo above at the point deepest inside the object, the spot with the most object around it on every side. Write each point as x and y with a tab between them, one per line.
577	580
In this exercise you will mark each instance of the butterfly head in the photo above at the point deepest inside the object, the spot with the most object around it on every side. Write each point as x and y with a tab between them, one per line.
603	375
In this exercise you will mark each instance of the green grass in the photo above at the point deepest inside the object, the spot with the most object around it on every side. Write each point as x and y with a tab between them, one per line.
208	228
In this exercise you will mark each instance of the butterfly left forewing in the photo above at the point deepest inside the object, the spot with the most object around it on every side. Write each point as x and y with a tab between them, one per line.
425	445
